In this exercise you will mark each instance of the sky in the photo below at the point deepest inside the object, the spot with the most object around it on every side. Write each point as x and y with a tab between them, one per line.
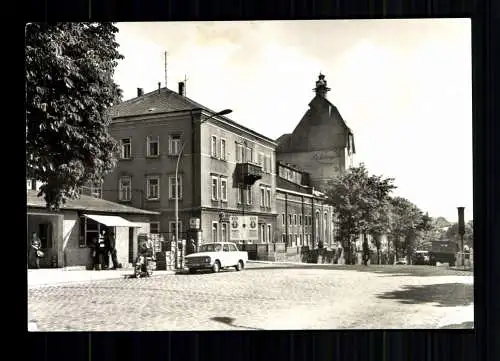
403	86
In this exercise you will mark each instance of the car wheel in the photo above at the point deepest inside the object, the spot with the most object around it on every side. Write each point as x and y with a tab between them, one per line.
239	266
191	270
216	267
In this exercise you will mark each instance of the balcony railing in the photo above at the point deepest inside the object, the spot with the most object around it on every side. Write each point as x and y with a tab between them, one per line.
248	173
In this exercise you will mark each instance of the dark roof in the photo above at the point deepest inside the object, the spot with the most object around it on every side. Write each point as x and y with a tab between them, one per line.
165	100
86	203
162	101
283	137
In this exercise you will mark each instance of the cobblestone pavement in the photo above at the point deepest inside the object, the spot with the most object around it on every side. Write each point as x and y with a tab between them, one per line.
263	296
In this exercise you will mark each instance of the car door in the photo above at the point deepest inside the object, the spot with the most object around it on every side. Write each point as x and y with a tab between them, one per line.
226	255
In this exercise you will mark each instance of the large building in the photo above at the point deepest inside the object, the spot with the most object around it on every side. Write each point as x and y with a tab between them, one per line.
304	217
226	169
223	168
321	144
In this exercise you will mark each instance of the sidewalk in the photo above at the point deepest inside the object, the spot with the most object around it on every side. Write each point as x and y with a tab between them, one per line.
55	276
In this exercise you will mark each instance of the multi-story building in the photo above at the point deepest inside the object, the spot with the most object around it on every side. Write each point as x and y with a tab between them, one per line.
321	144
223	167
304	217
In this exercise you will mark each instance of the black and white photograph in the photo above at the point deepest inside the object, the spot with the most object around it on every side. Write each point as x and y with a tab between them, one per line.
249	175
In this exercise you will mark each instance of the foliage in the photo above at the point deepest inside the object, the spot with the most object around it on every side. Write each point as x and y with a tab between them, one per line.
407	221
452	233
69	86
361	201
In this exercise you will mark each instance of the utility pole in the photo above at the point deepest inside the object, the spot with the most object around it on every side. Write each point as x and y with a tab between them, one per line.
165	69
185	85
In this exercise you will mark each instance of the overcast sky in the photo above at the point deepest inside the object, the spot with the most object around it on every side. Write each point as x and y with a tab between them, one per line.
403	86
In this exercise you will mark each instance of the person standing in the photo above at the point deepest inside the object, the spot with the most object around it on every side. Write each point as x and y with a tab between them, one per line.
35	252
111	245
102	251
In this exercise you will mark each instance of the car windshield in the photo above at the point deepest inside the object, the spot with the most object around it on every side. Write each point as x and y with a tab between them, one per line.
210	247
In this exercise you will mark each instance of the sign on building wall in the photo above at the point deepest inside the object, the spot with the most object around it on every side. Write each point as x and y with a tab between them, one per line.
194	223
243	228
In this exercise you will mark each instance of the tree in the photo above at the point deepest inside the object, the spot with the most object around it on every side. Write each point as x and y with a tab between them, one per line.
69	87
452	234
360	201
407	221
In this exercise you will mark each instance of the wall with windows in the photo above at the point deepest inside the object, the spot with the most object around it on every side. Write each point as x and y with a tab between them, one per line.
145	173
222	147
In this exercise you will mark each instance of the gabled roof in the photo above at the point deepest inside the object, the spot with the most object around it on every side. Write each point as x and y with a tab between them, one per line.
159	101
164	100
86	203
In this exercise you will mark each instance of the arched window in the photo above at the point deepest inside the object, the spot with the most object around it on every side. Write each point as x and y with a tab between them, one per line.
316	227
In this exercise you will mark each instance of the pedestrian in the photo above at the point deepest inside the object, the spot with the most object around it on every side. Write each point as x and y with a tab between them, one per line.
102	251
95	253
111	246
35	252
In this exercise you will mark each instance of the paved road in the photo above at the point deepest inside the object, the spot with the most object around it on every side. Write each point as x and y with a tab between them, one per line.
262	297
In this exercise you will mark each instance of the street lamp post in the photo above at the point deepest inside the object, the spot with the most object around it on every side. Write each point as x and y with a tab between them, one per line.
222	112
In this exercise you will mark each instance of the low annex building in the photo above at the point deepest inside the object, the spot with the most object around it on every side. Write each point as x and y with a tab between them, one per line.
66	235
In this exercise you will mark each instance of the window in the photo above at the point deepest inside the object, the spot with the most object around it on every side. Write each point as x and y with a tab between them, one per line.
223	149
297	239
154	227
283	218
268	197
171	228
240	153
300	240
153	144
223	228
262	196
153	188
171	187
232	248
249	155
262	234
214	231
248	192
89	230
215	188
174	144
213	146
125	148
300	220
289	219
261	159
239	195
125	189
225	248
269	234
223	189
295	219
283	238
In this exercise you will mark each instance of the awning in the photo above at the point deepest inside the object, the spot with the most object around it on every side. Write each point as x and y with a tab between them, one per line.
111	221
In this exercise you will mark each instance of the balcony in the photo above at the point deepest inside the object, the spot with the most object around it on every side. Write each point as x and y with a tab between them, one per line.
248	173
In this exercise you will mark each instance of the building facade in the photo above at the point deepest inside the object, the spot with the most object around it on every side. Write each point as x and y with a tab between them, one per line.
304	216
321	144
224	169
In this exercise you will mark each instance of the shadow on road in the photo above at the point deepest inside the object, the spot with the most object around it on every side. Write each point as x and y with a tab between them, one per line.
469	325
446	294
230	321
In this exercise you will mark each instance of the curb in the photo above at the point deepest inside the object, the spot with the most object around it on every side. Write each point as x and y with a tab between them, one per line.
124	275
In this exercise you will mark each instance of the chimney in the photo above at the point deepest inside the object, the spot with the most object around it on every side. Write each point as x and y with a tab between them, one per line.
140	92
159	87
181	88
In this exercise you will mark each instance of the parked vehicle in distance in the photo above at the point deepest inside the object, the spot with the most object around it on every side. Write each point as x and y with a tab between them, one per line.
421	257
216	256
443	252
402	261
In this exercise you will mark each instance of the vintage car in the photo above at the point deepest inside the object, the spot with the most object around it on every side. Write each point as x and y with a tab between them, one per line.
216	256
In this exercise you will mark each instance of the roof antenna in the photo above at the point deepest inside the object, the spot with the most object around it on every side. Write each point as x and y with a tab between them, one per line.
185	85
165	69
